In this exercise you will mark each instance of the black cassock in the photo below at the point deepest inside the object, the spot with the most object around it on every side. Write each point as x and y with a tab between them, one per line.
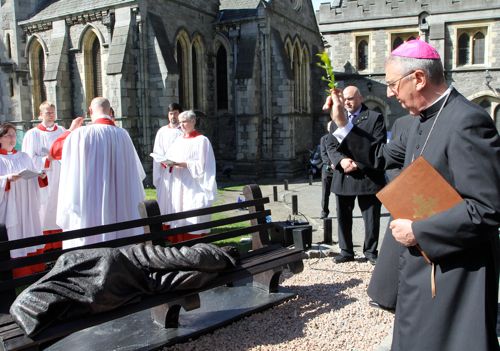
85	282
383	287
464	147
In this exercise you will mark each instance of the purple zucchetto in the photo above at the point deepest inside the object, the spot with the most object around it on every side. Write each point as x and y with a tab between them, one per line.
416	48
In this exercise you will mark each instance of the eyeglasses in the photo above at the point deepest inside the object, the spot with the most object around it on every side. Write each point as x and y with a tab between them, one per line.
392	85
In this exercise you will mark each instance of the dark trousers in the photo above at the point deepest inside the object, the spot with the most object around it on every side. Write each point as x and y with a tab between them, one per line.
383	287
370	210
326	182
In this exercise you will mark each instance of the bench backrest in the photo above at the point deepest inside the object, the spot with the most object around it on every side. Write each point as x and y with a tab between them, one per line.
152	232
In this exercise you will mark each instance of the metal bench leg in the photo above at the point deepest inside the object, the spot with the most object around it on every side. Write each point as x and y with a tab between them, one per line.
167	315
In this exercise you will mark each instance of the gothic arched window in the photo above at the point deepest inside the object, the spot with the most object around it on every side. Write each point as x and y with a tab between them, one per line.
362	55
478	48
305	80
197	73
194	69
296	75
182	56
92	66
222	77
463	49
396	42
96	73
37	70
400	37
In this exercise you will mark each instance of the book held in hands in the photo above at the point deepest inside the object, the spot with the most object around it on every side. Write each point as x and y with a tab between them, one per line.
418	192
162	159
29	174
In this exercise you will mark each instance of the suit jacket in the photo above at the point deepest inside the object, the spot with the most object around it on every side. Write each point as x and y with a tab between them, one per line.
367	135
326	168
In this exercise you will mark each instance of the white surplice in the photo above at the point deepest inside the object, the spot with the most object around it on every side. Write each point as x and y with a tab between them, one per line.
36	144
101	182
19	205
193	187
161	175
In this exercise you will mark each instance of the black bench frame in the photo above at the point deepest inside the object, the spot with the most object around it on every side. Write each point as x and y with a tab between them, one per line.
263	264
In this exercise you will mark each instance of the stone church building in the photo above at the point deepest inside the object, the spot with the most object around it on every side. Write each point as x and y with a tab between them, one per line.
360	34
245	66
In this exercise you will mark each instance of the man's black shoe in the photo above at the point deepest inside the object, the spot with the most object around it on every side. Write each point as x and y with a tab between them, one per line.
323	215
377	305
343	259
372	260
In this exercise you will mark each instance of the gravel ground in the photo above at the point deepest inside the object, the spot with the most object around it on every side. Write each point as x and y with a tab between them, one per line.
331	312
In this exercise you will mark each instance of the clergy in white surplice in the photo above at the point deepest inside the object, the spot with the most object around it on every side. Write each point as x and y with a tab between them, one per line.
36	143
193	184
101	176
19	197
161	173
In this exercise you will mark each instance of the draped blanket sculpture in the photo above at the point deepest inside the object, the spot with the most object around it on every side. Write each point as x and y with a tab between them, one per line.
91	281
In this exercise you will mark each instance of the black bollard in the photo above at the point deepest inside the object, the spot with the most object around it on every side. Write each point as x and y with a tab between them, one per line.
286	184
275	193
295	206
327	231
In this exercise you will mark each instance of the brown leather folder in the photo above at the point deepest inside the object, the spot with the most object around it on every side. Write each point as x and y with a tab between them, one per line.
418	192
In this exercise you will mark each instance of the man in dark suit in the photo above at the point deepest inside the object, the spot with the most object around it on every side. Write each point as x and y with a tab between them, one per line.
354	175
326	174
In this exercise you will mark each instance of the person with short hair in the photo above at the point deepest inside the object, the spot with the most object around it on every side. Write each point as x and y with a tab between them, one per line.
354	176
101	176
459	139
36	143
162	175
19	198
193	175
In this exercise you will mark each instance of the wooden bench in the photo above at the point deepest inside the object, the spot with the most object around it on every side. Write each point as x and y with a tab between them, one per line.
158	320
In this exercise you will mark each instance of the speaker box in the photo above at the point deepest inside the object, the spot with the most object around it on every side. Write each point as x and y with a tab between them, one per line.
282	233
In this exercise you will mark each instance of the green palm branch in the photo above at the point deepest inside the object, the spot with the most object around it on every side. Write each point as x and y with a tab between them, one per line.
326	64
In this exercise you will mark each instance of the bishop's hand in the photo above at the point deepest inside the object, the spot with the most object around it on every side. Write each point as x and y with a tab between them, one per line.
403	232
335	102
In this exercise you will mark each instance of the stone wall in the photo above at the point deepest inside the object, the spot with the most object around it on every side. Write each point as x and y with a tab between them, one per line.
18	107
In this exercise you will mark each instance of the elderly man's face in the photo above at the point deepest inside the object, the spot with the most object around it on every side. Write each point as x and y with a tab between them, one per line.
187	125
400	85
352	99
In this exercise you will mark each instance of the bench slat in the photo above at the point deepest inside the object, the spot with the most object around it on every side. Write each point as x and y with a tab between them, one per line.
5	319
17	282
80	233
52	256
